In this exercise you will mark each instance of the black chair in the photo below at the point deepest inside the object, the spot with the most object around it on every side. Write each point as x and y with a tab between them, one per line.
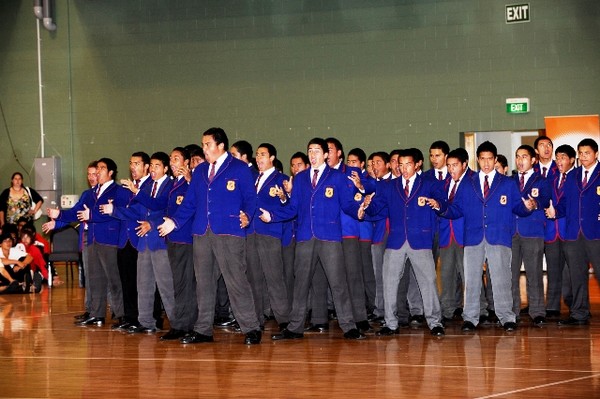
65	248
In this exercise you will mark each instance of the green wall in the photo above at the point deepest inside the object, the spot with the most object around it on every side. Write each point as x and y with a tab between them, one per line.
121	76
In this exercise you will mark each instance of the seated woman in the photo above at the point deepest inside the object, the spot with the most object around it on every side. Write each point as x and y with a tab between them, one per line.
44	248
38	265
18	201
14	271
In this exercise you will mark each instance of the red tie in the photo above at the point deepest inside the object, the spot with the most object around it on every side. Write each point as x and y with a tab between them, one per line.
562	181
153	195
486	186
136	183
522	182
544	170
406	189
440	175
260	175
453	192
585	179
314	179
211	175
97	191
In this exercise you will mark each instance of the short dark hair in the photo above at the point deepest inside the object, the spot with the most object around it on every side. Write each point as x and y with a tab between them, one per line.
141	154
501	159
440	145
359	153
487	146
278	165
337	144
589	143
381	154
301	155
567	150
527	148
459	153
540	138
270	148
111	166
219	136
244	148
395	152
417	154
183	151
192	150
320	142
408	152
162	157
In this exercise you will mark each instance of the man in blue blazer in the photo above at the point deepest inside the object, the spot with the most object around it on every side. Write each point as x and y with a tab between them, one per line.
487	204
580	206
102	240
220	201
528	241
409	202
546	167
317	199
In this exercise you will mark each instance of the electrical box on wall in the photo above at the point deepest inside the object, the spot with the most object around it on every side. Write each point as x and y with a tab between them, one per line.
48	175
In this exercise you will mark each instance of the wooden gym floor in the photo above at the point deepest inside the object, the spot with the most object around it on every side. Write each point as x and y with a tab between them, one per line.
42	354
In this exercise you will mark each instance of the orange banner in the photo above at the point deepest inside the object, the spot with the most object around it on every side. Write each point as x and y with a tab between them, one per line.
572	129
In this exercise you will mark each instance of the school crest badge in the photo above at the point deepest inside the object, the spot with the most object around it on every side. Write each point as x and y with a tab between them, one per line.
357	197
503	200
598	190
231	185
329	192
272	191
422	201
535	192
179	199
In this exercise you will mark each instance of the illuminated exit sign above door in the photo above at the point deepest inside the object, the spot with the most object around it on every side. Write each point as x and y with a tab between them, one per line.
516	13
517	105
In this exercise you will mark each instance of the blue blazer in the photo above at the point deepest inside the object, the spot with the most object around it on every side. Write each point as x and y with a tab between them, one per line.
351	225
182	235
102	229
217	204
318	210
128	232
550	174
145	208
411	218
492	217
453	229
533	225
555	228
581	206
267	199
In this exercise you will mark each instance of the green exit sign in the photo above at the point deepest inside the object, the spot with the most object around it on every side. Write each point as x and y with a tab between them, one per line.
517	105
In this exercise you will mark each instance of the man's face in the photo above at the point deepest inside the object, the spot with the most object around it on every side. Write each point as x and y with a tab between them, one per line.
157	169
195	161
407	167
380	167
137	168
297	165
235	153
316	155
92	176
587	156
177	162
394	165
456	168
264	161
563	162
103	173
7	244
353	160
334	155
486	161
212	151
524	161
437	158
544	150
500	169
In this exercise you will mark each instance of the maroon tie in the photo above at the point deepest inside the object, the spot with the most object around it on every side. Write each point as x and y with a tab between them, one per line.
260	175
522	182
562	181
544	170
153	195
211	175
136	183
440	175
453	192
314	179
97	191
406	189
486	186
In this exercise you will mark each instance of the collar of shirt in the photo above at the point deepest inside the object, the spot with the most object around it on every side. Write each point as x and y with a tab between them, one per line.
160	182
547	166
491	175
528	174
411	182
444	171
143	179
457	183
265	176
590	170
104	186
321	169
387	176
219	162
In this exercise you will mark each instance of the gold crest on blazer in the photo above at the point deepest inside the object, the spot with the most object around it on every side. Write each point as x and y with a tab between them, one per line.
329	192
422	201
503	200
272	191
179	199
231	185
598	190
535	192
357	197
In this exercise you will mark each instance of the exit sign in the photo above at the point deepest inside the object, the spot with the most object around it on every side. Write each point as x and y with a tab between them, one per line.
516	13
517	105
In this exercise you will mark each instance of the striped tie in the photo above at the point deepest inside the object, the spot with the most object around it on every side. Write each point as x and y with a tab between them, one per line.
486	186
585	179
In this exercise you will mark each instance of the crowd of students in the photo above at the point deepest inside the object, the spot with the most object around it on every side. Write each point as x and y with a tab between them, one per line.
219	238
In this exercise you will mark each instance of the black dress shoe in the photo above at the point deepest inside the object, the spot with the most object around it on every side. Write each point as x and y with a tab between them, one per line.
91	321
571	321
317	328
468	327
552	314
457	315
173	334
139	329
283	326
539	321
196	338
253	337
224	322
364	327
121	324
82	316
286	334
509	326
354	334
438	331
386	331
417	320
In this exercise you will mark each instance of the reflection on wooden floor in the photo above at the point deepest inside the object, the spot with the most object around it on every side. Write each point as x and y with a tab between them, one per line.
42	354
